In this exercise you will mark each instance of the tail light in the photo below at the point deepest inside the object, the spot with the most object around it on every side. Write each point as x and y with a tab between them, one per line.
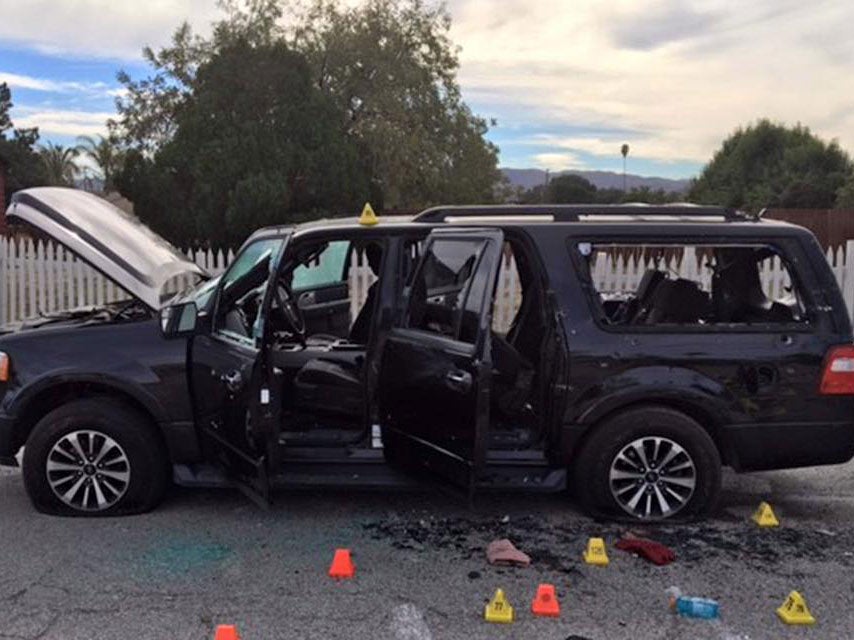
4	367
837	379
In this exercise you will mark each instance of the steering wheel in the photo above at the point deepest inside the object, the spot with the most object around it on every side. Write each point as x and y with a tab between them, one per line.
290	311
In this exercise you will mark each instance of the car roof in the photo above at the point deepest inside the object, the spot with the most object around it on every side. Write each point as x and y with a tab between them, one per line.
625	218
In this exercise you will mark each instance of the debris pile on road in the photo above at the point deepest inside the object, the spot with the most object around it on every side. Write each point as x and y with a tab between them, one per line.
546	542
551	547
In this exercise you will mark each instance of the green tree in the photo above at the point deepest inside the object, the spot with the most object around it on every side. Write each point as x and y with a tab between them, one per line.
388	66
845	195
59	164
570	189
644	195
17	155
106	153
391	66
562	189
771	165
248	150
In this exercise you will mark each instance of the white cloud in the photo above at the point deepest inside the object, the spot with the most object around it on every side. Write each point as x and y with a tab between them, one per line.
557	161
649	147
554	66
678	77
102	28
63	122
18	81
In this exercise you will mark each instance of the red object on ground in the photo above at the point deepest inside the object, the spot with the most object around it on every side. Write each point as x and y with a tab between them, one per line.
342	565
545	602
226	632
653	551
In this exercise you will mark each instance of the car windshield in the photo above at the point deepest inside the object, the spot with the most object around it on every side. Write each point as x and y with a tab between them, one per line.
200	293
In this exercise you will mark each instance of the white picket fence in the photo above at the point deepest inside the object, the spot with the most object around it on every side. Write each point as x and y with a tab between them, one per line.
41	277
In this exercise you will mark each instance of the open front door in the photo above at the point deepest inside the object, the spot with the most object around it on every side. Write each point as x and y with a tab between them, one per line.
434	383
235	408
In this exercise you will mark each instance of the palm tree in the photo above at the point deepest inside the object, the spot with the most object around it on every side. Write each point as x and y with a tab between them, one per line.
106	154
59	163
625	151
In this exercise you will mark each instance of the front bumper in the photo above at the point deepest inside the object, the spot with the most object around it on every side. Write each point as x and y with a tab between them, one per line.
8	446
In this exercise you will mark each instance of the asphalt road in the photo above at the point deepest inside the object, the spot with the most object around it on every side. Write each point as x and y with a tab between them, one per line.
211	557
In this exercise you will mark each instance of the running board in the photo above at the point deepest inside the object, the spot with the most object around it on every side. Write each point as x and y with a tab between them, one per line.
300	474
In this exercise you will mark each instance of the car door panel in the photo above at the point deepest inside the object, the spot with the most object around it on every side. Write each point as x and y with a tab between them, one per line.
326	309
234	401
433	385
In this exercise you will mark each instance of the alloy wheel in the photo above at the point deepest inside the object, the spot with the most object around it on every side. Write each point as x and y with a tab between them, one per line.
88	470
652	478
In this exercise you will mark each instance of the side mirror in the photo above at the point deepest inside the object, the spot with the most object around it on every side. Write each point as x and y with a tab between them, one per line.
179	320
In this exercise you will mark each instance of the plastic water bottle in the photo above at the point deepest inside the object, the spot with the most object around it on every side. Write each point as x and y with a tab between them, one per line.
692	607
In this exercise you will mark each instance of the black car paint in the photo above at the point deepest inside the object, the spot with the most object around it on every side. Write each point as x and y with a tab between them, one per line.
706	375
759	420
129	360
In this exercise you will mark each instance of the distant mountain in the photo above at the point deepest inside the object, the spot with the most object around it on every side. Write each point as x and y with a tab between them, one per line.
527	178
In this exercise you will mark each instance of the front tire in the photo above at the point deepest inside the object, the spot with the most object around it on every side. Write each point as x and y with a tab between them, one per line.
648	464
95	457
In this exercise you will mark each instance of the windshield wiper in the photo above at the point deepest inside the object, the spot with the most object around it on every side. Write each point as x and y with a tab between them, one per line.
61	316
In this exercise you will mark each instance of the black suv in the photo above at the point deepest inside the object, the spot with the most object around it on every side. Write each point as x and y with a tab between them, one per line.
626	352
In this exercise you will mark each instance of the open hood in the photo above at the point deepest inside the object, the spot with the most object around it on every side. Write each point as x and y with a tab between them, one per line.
114	242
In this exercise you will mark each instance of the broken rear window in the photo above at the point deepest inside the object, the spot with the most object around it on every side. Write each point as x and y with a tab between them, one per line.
692	285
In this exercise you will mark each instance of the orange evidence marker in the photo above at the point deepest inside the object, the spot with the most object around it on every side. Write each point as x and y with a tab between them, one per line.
342	565
226	632
545	602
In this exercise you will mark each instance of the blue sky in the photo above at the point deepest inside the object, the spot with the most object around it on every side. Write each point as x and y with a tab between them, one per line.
567	81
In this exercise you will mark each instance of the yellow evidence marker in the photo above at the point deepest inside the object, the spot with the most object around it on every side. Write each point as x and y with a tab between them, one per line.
764	516
498	609
794	610
368	217
595	553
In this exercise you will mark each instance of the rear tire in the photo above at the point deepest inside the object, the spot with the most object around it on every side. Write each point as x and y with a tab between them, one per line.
619	472
95	457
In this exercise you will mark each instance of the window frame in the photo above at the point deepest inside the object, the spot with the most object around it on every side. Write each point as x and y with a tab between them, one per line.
801	276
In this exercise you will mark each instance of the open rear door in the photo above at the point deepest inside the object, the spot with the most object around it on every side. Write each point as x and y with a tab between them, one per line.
434	382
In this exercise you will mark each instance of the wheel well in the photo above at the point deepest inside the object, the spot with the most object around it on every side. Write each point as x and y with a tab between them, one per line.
700	415
55	396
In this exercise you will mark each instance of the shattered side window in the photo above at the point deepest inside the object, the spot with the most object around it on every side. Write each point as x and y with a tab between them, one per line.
441	295
692	285
326	268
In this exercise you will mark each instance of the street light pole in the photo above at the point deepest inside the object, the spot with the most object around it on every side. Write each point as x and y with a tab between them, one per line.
625	151
546	187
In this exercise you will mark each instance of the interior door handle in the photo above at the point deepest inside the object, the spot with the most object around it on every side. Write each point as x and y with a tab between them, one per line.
306	299
233	380
459	381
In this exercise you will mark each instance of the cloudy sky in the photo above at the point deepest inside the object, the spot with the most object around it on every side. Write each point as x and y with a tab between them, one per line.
568	81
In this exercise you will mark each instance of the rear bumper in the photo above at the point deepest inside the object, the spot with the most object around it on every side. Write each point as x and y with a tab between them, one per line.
758	447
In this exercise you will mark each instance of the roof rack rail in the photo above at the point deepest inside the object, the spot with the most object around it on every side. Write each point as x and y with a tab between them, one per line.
576	212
